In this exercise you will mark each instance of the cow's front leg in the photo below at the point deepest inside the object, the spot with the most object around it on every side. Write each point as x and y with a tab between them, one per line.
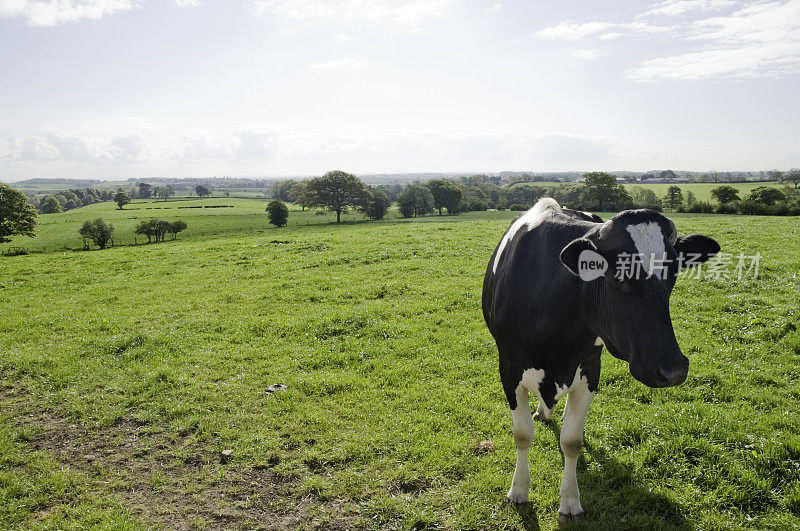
522	428
578	401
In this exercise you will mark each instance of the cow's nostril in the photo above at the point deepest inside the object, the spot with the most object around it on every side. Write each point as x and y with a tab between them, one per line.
674	376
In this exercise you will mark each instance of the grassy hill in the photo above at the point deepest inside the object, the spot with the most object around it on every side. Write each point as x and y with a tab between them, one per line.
127	372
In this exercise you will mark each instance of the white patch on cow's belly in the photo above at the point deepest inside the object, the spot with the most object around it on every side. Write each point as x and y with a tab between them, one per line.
531	379
598	342
530	219
649	242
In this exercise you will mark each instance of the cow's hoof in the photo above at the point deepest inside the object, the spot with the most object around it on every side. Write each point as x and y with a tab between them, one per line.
563	518
517	497
540	417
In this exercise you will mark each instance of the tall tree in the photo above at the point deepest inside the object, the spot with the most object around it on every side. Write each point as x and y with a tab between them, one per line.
17	215
121	199
281	189
793	176
601	191
50	205
202	191
376	204
336	190
166	191
673	198
725	194
446	194
145	191
416	200
299	194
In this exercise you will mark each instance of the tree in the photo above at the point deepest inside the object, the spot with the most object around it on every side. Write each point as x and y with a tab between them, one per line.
17	215
766	195
336	190
165	192
278	213
775	175
121	199
300	195
725	194
376	204
416	200
645	198
50	205
177	226
446	194
98	231
691	200
202	191
601	191
673	198
145	191
145	228
281	189
793	176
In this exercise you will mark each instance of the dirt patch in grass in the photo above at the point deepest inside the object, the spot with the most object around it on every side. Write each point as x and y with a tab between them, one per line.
167	481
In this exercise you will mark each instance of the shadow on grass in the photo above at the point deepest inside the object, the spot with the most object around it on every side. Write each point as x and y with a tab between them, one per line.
612	497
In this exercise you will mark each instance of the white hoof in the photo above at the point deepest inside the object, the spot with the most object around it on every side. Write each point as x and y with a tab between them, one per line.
517	495
570	509
564	518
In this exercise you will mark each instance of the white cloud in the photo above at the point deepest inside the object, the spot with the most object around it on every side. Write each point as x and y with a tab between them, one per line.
571	31
589	54
409	13
759	40
188	3
54	12
339	63
494	8
240	146
676	8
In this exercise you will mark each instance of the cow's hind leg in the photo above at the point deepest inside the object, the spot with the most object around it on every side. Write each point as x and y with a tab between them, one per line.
578	401
522	428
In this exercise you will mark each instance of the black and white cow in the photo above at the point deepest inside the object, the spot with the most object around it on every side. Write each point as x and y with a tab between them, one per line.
550	325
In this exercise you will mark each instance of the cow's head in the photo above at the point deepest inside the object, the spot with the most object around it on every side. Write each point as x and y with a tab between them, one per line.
627	303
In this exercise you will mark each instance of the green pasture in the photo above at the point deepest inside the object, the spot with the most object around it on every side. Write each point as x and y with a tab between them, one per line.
125	374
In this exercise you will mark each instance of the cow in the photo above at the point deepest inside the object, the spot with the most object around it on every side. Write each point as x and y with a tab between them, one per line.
550	317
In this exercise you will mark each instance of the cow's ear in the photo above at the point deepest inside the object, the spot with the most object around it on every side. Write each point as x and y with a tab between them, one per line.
570	254
696	247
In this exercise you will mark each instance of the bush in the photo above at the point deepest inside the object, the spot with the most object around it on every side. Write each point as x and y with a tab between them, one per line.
752	208
476	204
726	208
278	213
516	207
701	207
97	231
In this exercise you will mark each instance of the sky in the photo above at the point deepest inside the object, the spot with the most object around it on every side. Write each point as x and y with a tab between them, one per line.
118	89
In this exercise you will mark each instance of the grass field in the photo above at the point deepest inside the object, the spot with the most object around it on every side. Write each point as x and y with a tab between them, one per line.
127	372
702	191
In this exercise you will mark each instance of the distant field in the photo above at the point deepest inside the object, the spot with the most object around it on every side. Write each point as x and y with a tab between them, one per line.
126	372
702	191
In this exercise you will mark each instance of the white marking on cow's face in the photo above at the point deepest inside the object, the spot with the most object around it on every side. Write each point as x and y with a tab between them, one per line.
649	242
530	219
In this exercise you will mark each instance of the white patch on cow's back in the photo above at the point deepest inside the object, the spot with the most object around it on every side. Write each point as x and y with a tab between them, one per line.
530	219
649	242
598	342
